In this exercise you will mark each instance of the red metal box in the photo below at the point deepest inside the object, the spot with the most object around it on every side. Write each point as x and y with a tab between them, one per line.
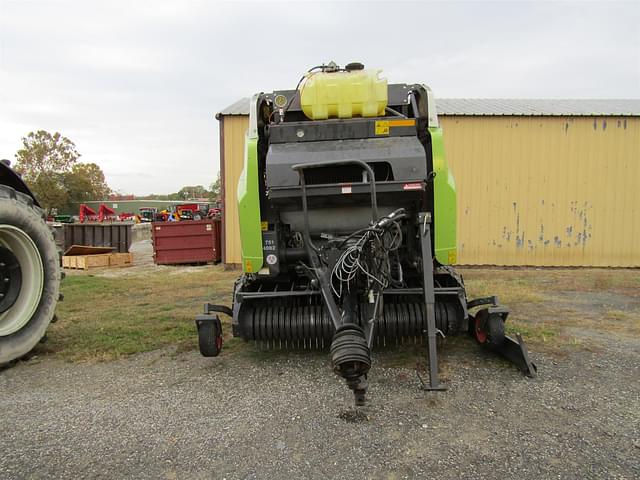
186	242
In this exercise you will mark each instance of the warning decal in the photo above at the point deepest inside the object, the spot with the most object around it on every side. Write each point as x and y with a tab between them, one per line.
383	126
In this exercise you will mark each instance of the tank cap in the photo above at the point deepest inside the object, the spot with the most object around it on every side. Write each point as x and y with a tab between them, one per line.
353	66
330	68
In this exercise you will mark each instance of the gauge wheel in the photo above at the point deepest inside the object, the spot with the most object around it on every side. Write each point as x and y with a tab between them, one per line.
495	331
209	337
479	328
489	329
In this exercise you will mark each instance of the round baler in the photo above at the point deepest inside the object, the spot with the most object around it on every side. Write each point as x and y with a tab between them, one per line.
347	213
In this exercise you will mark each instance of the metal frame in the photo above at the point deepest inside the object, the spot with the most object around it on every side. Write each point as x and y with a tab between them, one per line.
335	189
424	219
323	273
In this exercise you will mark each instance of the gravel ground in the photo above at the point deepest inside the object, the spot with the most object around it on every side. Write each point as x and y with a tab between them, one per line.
169	415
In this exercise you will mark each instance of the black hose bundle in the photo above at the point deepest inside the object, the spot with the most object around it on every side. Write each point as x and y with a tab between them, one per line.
368	254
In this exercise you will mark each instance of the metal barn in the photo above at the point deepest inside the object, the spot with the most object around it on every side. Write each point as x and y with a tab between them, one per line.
540	182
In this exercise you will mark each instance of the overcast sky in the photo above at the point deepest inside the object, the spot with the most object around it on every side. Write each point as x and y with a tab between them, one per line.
136	84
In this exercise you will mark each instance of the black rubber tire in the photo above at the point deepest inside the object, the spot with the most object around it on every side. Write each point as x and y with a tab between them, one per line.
18	210
477	326
209	339
495	331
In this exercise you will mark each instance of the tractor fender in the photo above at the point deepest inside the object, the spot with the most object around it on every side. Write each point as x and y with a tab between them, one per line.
11	179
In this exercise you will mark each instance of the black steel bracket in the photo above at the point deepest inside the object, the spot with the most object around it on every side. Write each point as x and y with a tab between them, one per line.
493	300
424	219
323	274
516	352
210	307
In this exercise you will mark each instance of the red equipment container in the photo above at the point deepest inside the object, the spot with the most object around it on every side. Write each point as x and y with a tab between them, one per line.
186	242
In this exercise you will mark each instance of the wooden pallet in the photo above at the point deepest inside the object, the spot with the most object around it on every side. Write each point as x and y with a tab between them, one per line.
85	262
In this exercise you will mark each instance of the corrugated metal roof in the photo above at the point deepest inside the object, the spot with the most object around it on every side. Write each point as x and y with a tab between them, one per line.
510	106
241	107
538	107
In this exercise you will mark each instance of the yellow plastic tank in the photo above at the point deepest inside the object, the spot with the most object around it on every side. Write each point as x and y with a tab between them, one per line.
359	93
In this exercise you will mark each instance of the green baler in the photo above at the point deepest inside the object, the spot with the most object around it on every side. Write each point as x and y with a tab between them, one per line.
347	213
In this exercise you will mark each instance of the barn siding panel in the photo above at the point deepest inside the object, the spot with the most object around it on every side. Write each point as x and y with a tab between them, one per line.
546	191
542	191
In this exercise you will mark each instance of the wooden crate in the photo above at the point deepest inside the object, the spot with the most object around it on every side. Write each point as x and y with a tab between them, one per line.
85	262
120	259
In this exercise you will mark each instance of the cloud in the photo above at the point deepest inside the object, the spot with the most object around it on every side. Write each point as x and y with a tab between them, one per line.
136	84
120	58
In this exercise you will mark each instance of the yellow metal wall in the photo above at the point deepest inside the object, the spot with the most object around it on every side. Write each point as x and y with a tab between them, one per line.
542	191
234	128
546	190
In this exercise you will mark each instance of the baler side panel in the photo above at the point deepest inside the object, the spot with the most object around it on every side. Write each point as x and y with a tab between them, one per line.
249	208
444	202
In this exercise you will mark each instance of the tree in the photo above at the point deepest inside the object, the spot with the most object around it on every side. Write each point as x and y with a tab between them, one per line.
214	190
85	182
43	161
194	191
49	165
50	191
42	152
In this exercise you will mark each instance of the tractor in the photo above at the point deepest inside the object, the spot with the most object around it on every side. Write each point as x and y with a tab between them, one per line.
29	269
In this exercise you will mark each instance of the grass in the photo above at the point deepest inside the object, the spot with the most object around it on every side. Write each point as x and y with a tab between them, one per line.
510	290
556	308
616	315
105	318
626	281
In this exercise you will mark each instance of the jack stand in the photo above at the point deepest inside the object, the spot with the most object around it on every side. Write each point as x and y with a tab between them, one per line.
424	219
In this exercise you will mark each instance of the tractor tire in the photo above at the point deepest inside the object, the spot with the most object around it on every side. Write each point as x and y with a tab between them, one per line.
29	275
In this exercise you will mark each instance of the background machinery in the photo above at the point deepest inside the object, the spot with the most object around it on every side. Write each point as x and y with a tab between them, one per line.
29	269
105	214
348	228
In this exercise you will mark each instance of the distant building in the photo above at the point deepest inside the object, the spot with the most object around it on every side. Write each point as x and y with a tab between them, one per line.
115	198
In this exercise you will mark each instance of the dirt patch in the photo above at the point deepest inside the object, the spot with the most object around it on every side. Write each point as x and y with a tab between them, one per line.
354	415
174	415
